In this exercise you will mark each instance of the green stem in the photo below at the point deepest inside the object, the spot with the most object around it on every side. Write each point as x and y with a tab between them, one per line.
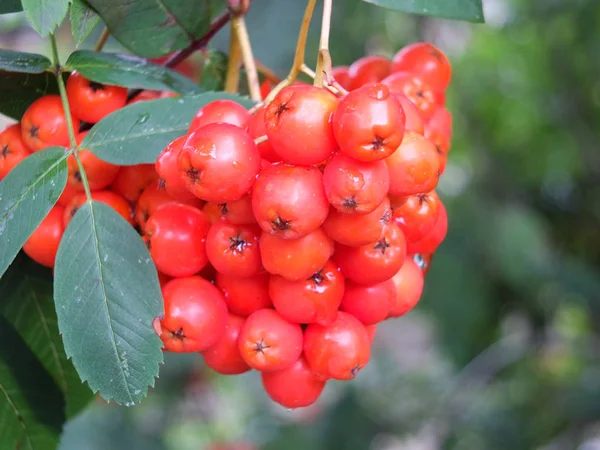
65	102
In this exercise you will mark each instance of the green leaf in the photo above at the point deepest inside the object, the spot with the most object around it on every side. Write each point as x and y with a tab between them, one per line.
23	62
153	28
469	10
19	90
27	194
107	294
129	71
83	20
45	15
31	405
138	133
26	293
10	6
214	72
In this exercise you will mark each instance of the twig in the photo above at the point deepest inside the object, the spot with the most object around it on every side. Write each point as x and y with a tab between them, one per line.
232	79
324	58
102	40
239	26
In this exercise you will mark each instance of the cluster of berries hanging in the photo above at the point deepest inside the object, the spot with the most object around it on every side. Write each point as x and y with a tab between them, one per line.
283	237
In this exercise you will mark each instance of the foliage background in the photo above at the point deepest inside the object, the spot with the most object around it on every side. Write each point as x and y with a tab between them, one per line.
503	350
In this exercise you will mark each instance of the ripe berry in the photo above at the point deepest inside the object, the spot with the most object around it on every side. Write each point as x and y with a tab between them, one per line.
132	180
176	238
195	316
425	60
439	129
298	123
413	122
170	176
233	249
294	387
314	300
289	201
268	342
224	357
414	167
13	149
245	295
256	128
369	69
357	229
374	262
416	214
295	259
43	243
238	212
219	162
434	238
354	186
341	75
44	124
338	350
92	101
420	93
409	285
220	111
100	174
369	123
115	201
369	304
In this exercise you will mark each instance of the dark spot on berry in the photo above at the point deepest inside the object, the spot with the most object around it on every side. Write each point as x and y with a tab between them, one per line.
350	203
317	277
280	224
377	143
438	174
237	244
162	183
145	215
283	107
355	370
4	152
74	210
435	54
420	94
224	209
33	131
77	176
382	245
260	346
178	334
423	198
193	175
387	216
95	86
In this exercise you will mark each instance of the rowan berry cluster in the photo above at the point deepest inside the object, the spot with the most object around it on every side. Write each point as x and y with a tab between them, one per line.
282	237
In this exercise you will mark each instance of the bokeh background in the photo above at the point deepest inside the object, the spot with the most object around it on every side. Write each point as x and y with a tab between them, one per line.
503	351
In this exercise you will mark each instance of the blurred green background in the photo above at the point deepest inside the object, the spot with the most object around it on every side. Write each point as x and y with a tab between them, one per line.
503	351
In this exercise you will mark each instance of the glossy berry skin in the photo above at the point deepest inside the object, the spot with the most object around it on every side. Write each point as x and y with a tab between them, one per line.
414	121
42	245
166	168
338	350
44	124
369	123
314	300
357	229
92	101
219	162
115	201
195	316
13	149
100	174
155	197
341	76
295	259
439	129
368	69
374	262
256	128
409	286
238	212
131	181
224	357
289	201
426	60
369	303
414	167
432	240
233	249
416	90
298	124
355	187
294	387
245	295
176	238
268	342
416	214
220	111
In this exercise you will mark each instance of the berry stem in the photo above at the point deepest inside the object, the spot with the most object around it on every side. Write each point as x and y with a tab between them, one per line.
299	55
324	58
239	26
232	79
334	87
67	110
261	139
102	40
